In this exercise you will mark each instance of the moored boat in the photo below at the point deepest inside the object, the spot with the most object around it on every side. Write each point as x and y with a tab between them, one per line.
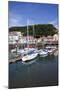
43	52
30	55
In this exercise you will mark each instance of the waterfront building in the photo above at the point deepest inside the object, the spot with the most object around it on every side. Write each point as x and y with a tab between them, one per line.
14	37
30	40
55	37
49	39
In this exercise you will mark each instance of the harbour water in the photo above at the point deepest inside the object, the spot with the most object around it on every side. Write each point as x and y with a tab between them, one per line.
42	71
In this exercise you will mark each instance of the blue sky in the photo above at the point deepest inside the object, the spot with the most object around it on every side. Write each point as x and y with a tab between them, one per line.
35	13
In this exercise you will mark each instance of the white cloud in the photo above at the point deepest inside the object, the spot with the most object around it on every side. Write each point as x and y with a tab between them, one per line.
15	20
54	22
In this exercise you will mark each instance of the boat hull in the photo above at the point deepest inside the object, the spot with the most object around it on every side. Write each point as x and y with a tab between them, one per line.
29	57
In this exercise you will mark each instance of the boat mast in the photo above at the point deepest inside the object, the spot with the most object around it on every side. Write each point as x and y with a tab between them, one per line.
33	31
27	34
34	36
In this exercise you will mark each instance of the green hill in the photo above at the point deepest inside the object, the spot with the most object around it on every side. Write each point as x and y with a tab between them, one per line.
40	29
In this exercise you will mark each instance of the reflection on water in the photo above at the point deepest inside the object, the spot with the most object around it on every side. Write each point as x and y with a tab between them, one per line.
39	72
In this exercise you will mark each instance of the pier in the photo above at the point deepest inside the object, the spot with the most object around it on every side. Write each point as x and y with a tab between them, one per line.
19	58
15	59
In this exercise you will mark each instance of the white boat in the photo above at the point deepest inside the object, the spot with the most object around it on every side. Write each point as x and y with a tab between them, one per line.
30	55
13	50
28	63
50	48
43	52
18	51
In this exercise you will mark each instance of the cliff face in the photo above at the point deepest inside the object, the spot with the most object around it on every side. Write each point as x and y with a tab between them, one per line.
39	30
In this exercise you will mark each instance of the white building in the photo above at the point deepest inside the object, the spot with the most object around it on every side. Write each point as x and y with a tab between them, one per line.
25	39
55	37
14	37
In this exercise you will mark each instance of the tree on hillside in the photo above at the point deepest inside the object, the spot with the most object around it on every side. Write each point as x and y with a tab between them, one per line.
40	29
